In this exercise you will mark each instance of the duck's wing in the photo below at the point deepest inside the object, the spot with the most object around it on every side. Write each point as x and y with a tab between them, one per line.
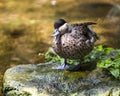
81	27
86	30
87	23
90	33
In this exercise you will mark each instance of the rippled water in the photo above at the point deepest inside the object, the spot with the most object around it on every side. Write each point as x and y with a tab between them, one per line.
26	32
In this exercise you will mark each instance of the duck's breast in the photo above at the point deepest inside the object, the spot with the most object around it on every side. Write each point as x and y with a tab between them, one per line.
72	45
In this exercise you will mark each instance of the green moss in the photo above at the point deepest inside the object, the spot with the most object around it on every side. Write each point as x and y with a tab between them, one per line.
73	75
11	91
7	89
17	93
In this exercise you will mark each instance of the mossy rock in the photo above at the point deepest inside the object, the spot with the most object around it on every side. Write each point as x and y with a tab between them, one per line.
45	80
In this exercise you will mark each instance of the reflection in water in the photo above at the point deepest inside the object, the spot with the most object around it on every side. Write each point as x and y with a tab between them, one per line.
25	28
114	11
113	34
85	10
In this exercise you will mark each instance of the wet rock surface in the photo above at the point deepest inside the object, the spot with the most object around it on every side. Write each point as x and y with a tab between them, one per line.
46	80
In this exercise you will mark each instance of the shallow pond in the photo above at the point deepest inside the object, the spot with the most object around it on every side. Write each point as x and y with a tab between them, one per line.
25	28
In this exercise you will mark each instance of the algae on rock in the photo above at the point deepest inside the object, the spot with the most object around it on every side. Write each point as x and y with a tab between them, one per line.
46	80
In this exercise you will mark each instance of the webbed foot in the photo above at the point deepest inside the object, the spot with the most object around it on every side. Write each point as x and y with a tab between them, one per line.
64	65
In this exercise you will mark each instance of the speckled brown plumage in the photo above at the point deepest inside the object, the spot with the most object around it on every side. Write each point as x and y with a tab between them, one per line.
76	42
72	44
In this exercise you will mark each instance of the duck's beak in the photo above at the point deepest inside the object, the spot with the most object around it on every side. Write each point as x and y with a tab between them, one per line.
56	32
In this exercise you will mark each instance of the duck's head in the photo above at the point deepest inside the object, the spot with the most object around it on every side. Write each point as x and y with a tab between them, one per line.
60	27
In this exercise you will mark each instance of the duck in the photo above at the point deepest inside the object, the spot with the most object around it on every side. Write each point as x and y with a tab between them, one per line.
73	41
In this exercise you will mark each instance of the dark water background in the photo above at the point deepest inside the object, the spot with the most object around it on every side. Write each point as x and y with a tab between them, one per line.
25	27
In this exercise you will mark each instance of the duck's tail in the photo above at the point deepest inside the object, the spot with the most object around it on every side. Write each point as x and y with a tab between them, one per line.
88	23
84	24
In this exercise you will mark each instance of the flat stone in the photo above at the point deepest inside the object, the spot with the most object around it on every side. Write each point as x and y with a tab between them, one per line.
46	80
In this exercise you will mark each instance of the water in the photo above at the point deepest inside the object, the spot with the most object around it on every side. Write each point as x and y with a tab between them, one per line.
25	28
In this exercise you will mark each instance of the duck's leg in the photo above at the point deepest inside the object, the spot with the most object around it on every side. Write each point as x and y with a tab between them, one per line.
64	65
